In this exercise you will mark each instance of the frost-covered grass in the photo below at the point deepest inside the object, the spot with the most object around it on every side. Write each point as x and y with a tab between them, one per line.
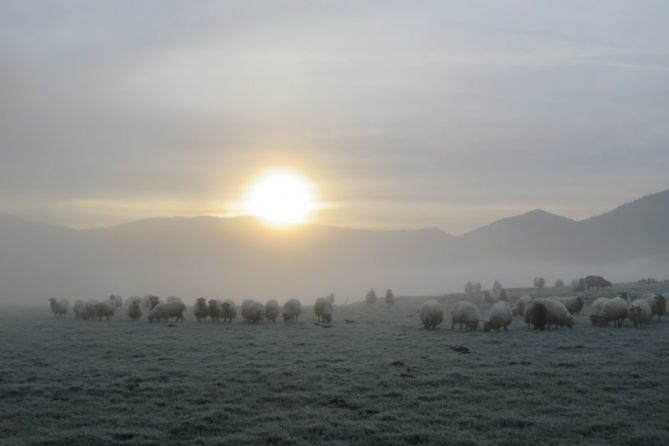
380	380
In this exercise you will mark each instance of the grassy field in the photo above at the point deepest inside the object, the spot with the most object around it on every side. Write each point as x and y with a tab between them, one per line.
380	380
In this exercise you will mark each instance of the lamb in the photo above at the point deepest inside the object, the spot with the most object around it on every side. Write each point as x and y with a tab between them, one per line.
59	307
640	312
658	304
499	317
518	308
557	313
201	309
466	314
573	303
253	311
614	310
431	314
272	310
292	310
323	309
596	310
390	297
165	311
215	310
229	310
135	309
535	315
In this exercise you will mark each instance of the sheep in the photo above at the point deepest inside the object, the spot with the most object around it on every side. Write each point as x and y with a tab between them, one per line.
390	297
135	309
431	314
658	304
165	311
105	309
467	314
640	312
59	307
215	310
229	310
370	297
614	310
149	302
499	317
323	309
253	311
573	303
201	309
557	313
272	310
292	310
535	315
518	308
596	309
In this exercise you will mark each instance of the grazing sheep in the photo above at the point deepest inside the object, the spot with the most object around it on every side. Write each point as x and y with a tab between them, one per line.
135	309
215	310
431	314
59	307
518	308
229	310
390	297
615	310
596	310
658	304
272	310
535	315
116	301
165	311
105	309
573	303
79	308
640	312
253	311
292	310
499	317
557	313
150	302
323	309
465	314
370	297
201	309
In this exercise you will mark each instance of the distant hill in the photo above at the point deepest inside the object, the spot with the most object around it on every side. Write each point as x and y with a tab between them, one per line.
240	257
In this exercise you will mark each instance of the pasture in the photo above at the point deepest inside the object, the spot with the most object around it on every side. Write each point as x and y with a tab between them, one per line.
381	379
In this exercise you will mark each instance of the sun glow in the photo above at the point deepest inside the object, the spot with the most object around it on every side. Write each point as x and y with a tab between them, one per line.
282	199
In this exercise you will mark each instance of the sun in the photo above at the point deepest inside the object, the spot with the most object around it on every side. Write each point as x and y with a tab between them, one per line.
282	198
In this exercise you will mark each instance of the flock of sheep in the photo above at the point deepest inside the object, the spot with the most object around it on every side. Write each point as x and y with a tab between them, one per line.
173	309
542	313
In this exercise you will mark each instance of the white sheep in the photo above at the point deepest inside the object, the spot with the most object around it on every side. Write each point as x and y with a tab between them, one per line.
557	313
215	310
59	307
229	310
253	311
292	310
323	309
518	308
639	312
573	303
614	310
465	314
658	304
596	310
135	309
201	309
272	310
431	314
165	311
499	317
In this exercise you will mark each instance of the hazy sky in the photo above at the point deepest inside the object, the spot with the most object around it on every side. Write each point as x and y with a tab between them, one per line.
406	114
